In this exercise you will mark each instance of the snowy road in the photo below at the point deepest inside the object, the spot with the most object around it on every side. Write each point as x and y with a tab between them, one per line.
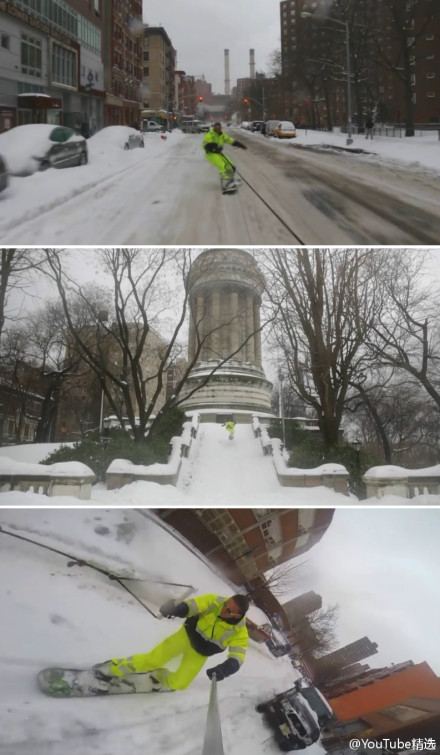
288	195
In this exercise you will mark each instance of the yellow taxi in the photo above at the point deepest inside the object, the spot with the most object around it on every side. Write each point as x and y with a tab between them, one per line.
285	130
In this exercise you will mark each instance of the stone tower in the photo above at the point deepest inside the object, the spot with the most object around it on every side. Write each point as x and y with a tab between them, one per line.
225	288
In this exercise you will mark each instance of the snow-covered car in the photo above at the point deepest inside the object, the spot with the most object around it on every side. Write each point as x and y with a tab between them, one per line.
4	180
124	137
38	146
297	717
285	130
204	128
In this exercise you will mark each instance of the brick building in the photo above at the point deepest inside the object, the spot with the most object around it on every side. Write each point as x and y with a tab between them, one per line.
122	55
314	67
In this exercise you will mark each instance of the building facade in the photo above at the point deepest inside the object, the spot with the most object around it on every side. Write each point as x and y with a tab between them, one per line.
314	69
122	57
244	543
158	73
401	705
51	63
348	654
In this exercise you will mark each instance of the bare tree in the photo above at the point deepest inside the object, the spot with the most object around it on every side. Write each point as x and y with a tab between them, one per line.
323	303
406	333
16	266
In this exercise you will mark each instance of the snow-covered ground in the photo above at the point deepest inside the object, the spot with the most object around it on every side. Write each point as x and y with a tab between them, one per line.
56	614
167	193
416	153
218	472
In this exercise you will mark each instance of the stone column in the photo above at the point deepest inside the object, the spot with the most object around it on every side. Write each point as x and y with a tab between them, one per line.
199	326
215	325
257	337
250	348
234	327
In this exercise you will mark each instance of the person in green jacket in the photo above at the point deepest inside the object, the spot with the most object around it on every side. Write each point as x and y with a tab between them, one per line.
213	143
213	624
230	427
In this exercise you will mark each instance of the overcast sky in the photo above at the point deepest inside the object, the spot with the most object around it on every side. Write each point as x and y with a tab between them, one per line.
382	567
201	31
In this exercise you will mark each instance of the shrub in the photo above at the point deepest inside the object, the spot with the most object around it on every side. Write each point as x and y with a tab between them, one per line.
99	454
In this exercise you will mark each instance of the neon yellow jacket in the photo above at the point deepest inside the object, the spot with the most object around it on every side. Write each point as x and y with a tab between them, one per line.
209	633
213	136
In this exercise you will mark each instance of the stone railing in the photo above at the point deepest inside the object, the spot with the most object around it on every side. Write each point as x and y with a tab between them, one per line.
123	472
406	483
64	478
334	476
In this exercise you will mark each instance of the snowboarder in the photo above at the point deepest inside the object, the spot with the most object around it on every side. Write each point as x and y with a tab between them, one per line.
230	427
213	624
213	143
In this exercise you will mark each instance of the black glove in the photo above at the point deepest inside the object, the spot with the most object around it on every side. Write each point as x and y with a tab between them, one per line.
229	667
212	147
235	143
169	609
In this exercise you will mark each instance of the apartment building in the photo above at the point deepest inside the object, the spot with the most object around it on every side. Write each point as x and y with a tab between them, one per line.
314	68
158	73
122	55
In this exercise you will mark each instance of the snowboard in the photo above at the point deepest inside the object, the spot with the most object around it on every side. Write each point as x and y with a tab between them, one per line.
68	682
229	188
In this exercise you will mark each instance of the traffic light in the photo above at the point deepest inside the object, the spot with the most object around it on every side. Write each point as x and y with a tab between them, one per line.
246	101
200	98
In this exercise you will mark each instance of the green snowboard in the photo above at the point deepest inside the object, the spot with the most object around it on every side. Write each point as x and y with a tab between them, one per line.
68	682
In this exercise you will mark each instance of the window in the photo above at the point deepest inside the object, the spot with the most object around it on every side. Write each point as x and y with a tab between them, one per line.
31	55
64	66
5	40
403	713
431	95
430	75
429	37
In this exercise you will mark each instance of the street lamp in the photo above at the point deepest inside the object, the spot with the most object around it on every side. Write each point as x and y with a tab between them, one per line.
306	14
357	447
281	406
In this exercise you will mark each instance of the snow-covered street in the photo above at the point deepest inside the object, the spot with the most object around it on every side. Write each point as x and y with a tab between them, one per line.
71	615
312	191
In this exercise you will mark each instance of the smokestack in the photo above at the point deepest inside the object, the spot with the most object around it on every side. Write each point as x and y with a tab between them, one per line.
252	63
227	81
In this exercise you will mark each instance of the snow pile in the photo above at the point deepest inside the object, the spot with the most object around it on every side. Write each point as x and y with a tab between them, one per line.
390	470
60	469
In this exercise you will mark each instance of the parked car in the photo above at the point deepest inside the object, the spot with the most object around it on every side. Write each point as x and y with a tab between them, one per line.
204	128
38	146
297	716
285	130
124	137
151	127
257	125
270	127
4	178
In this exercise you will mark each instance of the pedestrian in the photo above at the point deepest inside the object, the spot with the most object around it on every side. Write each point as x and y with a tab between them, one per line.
213	143
213	624
230	427
369	125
